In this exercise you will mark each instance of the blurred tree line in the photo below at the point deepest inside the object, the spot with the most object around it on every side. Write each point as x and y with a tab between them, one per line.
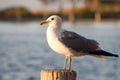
74	13
16	13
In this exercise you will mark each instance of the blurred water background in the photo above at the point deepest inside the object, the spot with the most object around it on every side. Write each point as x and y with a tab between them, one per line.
24	51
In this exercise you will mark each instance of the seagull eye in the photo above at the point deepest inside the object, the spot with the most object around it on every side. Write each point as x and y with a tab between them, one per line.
52	18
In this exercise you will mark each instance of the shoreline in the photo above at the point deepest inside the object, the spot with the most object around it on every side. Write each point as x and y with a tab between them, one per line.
76	21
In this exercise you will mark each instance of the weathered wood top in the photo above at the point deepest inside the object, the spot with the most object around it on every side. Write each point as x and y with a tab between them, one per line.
58	74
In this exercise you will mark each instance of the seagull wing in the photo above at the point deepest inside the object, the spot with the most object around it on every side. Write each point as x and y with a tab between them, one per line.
78	43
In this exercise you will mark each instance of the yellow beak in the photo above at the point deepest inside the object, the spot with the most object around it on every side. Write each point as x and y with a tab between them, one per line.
43	22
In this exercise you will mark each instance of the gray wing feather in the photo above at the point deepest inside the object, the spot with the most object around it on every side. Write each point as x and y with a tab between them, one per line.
78	43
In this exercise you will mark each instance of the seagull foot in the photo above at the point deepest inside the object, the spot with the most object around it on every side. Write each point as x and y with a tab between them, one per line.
63	69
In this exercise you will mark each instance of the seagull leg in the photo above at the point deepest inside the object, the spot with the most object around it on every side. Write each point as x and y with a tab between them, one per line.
65	63
69	65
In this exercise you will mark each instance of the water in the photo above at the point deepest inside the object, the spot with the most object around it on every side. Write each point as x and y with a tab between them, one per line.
24	51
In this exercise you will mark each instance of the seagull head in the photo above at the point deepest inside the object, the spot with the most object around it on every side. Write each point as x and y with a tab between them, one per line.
53	21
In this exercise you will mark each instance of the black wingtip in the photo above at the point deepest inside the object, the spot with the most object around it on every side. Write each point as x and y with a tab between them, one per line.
104	53
116	55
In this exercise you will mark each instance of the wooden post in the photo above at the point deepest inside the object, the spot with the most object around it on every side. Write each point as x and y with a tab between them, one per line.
97	11
98	16
58	74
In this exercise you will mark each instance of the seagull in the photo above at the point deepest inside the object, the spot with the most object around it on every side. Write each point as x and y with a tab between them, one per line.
71	44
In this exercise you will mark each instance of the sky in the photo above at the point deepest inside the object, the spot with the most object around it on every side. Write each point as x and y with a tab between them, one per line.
34	4
30	4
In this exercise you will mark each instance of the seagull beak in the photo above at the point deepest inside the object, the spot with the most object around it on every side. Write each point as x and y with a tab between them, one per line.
43	22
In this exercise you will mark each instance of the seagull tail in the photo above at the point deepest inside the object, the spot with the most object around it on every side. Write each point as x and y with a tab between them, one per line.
99	57
103	53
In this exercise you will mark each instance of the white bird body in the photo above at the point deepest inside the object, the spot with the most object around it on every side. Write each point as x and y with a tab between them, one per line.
52	38
53	34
